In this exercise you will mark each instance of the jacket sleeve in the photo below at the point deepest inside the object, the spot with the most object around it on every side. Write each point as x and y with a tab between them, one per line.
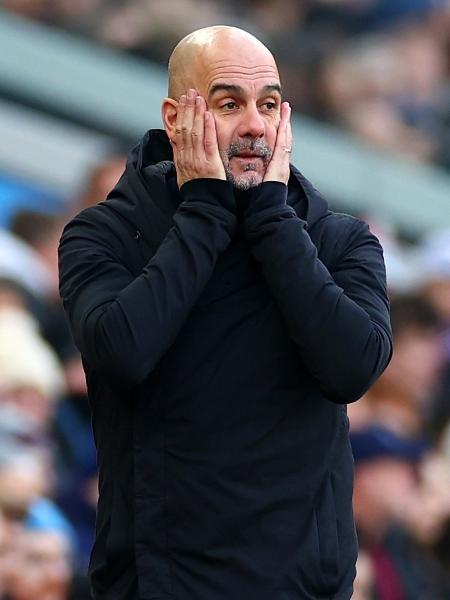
338	320
121	323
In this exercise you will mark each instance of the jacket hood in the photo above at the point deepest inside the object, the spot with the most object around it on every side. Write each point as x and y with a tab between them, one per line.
149	182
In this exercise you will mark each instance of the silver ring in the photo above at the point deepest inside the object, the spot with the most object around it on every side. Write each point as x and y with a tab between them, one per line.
288	150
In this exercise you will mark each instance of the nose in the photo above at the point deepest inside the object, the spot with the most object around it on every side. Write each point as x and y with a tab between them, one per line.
252	123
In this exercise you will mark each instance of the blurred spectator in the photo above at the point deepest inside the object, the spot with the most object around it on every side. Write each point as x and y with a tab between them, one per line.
82	16
431	511
365	578
100	181
41	232
22	264
30	376
12	294
400	268
433	275
150	28
7	555
388	90
25	486
33	9
401	399
388	500
38	230
368	15
43	566
433	268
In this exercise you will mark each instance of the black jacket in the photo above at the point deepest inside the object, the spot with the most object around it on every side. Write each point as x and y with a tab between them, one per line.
222	338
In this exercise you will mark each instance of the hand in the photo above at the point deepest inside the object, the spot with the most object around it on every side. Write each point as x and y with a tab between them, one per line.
278	167
195	150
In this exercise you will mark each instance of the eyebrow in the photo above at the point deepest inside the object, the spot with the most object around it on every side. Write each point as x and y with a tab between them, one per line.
239	91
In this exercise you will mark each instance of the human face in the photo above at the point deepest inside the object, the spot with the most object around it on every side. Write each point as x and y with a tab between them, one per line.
243	93
43	567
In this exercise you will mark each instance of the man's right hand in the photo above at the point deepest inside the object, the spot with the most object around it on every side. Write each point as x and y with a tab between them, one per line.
195	150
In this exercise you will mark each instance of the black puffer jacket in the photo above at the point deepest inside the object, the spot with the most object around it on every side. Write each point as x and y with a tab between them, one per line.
220	351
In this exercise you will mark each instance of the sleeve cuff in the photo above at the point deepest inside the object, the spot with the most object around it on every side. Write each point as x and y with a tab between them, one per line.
211	191
268	195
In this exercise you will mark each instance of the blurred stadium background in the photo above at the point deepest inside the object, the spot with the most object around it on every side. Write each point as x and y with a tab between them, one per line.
369	80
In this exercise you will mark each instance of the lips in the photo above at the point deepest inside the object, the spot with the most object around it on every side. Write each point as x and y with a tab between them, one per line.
248	155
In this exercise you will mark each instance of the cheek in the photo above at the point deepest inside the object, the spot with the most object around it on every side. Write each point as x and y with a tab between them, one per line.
224	133
271	132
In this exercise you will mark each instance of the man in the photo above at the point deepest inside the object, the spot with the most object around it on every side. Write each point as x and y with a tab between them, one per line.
225	317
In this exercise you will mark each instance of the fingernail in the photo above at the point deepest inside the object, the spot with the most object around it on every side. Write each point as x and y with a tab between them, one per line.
198	100
191	93
182	99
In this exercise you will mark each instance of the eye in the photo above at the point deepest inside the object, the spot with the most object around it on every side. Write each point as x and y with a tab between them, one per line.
270	106
230	105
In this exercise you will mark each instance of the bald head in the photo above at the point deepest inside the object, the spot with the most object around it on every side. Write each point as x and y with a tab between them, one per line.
211	45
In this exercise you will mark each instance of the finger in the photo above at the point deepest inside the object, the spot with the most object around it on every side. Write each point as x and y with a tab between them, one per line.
179	123
287	147
289	140
285	114
284	136
289	137
198	128
188	120
210	140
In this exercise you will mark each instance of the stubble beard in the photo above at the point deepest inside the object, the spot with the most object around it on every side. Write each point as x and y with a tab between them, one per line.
244	181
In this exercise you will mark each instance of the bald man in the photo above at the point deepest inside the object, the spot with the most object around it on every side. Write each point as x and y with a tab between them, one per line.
225	317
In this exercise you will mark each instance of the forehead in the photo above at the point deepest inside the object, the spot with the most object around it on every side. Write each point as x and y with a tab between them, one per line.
243	64
255	79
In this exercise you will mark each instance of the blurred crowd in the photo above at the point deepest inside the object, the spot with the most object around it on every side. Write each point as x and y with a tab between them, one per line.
48	474
378	68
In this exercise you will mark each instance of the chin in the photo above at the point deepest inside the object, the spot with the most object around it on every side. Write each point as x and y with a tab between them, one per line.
245	181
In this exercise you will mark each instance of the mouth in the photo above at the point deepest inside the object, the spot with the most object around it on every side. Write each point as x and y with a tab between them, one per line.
247	156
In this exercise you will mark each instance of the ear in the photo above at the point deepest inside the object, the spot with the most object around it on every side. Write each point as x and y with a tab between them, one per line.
169	111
